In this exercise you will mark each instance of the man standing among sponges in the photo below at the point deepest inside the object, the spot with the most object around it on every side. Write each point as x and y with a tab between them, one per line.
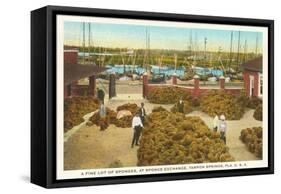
142	113
180	106
100	95
223	128
137	127
216	123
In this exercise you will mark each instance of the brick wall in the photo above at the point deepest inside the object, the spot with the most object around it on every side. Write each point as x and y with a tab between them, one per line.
196	91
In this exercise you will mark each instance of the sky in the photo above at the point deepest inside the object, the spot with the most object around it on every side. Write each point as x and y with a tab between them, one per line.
134	36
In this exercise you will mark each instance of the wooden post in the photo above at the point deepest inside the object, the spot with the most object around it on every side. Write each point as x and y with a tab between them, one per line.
222	82
174	79
196	80
67	90
112	86
73	88
92	85
145	85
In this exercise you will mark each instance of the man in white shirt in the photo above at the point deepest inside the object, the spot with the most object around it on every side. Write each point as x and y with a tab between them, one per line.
223	128
103	121
137	127
216	123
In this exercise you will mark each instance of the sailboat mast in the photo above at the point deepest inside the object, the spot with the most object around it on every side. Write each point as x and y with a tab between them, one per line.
205	49
238	51
103	57
148	49
134	60
187	48
123	60
159	65
257	39
230	51
84	43
195	48
176	59
190	42
100	55
160	62
145	52
89	42
245	51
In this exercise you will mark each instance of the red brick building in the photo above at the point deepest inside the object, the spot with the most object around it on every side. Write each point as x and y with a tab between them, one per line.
253	79
73	72
70	56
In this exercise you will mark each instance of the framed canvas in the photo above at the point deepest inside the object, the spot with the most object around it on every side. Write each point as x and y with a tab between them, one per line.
125	96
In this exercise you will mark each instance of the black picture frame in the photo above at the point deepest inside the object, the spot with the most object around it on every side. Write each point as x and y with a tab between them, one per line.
43	95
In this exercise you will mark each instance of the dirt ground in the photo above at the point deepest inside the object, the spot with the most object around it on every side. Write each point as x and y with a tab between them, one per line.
90	148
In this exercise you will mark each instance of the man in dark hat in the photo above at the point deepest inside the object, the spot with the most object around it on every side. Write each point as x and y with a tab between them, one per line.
142	113
100	95
180	106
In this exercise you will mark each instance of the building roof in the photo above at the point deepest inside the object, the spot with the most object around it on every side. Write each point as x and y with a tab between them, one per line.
253	65
75	72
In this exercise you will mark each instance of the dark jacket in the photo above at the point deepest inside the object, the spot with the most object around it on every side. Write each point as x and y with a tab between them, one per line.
142	114
180	107
101	94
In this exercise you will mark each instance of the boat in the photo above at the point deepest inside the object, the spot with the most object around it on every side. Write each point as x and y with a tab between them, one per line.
125	78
